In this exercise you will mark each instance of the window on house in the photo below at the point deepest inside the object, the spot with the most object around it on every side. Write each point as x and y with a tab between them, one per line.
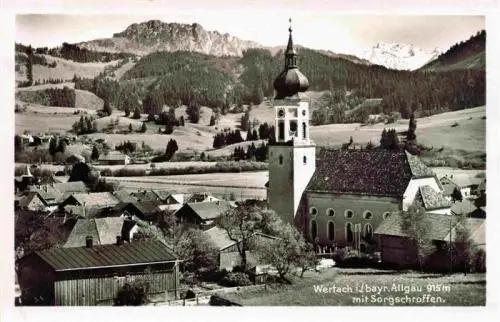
368	231
330	212
348	213
331	231
313	211
368	215
304	159
314	229
349	236
304	132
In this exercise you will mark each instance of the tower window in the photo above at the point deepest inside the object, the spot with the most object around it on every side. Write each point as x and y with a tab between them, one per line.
281	130
304	159
349	236
330	212
314	229
304	112
368	215
331	231
304	129
348	214
293	127
313	211
280	159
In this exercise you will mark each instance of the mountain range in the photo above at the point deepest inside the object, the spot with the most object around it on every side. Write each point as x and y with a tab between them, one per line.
154	35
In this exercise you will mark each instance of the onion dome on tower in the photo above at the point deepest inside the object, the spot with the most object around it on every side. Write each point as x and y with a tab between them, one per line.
290	81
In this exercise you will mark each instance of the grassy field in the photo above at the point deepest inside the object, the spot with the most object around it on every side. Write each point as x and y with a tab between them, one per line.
387	287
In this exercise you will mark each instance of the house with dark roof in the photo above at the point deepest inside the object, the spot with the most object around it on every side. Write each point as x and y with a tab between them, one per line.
396	248
104	231
432	201
202	214
93	274
31	201
144	210
94	199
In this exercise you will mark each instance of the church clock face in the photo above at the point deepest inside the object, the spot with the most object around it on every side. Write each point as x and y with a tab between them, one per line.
281	113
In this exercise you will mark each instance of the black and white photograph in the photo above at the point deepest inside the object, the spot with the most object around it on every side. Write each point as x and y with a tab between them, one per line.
191	157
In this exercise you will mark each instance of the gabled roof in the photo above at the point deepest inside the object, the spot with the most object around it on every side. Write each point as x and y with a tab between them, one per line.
208	210
82	229
47	192
375	172
25	200
124	196
145	195
439	225
147	207
96	199
463	180
431	199
219	237
102	256
475	226
74	186
463	207
417	167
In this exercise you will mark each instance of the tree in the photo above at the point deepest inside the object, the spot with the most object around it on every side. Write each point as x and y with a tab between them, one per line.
127	111
132	294
137	113
53	145
369	145
412	127
172	147
462	246
456	195
212	120
143	127
95	153
29	66
389	139
130	128
181	121
241	223
197	250
107	108
416	227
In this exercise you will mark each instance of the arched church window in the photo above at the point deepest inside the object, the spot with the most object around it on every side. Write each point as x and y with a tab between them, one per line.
331	231
348	213
293	127
330	212
368	231
280	159
304	130
386	214
313	211
304	159
314	229
349	236
368	214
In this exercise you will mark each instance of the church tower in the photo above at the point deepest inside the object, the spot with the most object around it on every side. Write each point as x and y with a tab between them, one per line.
292	158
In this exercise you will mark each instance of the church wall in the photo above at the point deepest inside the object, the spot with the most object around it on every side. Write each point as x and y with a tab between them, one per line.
411	190
359	205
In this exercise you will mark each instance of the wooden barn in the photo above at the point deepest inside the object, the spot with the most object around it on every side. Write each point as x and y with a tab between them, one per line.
92	275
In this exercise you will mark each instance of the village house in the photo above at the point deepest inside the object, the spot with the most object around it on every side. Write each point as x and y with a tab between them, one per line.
150	195
31	201
92	275
468	186
228	256
331	194
114	158
397	250
143	210
201	214
104	231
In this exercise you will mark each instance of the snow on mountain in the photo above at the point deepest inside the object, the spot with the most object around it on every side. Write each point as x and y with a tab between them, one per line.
400	56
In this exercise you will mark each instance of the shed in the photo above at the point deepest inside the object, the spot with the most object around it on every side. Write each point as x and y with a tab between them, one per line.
92	275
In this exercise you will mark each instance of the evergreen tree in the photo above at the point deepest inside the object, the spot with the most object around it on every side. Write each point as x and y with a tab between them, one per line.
61	147
143	127
249	135
95	153
53	144
212	120
172	147
29	66
107	108
456	195
127	111
130	128
181	121
412	127
137	113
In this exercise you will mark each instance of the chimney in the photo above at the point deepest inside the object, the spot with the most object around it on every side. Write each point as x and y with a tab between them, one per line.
88	241
119	240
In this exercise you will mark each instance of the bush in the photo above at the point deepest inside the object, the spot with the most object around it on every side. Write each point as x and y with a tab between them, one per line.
236	279
133	294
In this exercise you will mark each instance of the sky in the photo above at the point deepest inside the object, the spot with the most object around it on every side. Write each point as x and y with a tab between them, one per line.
314	28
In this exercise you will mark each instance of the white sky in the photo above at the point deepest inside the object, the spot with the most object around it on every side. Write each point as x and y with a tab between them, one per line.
342	33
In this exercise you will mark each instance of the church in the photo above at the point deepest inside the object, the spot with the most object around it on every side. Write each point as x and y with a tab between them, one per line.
337	197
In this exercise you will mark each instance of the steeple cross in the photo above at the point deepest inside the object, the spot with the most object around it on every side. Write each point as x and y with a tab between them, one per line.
290	21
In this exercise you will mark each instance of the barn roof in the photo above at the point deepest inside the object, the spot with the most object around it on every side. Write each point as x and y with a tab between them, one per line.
439	226
463	207
374	172
96	199
210	209
102	256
